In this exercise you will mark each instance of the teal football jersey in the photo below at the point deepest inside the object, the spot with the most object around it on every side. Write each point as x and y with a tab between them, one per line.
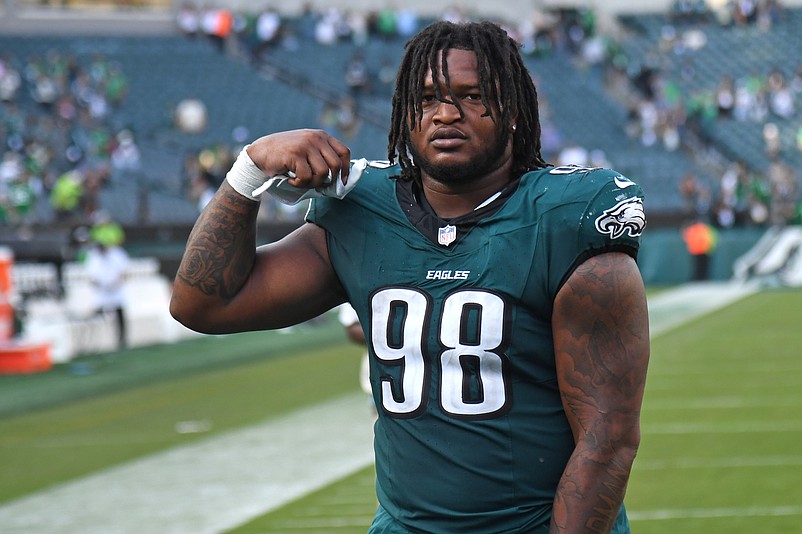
471	434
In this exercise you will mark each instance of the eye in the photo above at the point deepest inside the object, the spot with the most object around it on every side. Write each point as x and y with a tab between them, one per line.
473	96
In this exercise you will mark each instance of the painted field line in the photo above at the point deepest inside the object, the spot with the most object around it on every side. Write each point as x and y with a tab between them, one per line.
724	403
732	462
702	513
673	308
723	428
325	524
209	486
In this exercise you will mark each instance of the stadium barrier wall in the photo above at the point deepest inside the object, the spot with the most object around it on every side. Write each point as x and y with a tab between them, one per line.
664	259
72	327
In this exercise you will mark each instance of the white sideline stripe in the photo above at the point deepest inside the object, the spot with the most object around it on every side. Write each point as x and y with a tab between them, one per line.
208	486
223	482
701	513
719	463
724	428
723	403
670	309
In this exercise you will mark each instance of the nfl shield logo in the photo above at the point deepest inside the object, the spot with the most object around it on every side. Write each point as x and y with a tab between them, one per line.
446	235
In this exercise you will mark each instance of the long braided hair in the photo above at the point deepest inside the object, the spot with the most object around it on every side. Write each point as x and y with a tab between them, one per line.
503	78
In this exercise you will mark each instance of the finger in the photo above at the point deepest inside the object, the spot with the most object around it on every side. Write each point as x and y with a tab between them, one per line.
301	174
322	169
311	173
330	159
341	159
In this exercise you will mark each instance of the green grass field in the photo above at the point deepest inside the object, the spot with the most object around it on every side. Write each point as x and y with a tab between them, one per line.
721	427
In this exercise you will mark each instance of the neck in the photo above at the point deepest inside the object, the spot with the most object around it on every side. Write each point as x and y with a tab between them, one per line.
450	200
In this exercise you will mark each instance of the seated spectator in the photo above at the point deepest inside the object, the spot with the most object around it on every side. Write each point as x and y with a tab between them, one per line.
116	85
187	19
784	192
267	32
10	80
780	95
357	75
327	27
126	160
386	27
725	96
67	194
407	23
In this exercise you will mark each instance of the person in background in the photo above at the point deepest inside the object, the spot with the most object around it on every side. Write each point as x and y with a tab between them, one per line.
700	240
347	316
106	265
503	308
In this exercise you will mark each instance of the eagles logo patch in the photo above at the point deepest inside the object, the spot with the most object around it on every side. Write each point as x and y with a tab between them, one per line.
626	217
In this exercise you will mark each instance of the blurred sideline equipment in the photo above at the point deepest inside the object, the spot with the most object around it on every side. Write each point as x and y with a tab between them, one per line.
775	260
6	309
16	356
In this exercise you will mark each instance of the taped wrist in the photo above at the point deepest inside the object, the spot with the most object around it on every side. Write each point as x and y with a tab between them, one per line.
245	177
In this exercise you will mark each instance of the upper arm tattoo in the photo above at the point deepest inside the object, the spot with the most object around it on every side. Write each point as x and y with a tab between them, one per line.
602	338
606	336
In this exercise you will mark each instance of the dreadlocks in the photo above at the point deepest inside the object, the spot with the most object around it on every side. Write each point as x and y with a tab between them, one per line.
503	78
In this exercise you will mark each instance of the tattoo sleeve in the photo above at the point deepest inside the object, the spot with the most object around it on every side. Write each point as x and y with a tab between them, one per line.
221	247
602	349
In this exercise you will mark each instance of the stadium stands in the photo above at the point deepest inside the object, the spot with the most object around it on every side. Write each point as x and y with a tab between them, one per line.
162	71
700	55
294	83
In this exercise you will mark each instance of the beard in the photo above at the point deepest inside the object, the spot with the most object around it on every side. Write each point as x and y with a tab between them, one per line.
472	170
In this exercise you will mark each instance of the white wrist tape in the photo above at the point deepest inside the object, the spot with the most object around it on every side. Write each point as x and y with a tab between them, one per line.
245	177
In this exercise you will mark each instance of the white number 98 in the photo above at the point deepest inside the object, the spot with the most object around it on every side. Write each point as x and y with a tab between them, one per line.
472	364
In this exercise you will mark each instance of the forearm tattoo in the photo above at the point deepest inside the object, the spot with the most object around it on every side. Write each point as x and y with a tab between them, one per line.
221	247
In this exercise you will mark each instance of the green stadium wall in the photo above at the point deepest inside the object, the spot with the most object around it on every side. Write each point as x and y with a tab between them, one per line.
664	260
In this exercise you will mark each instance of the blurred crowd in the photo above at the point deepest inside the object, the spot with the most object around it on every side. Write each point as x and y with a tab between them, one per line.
764	13
62	138
253	33
59	140
744	197
671	107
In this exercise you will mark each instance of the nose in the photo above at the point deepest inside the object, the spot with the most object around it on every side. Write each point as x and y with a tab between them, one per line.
446	112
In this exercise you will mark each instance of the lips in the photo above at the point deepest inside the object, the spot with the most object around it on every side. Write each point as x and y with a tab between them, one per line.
447	138
447	133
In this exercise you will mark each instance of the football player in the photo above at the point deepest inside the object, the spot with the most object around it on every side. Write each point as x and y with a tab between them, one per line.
504	312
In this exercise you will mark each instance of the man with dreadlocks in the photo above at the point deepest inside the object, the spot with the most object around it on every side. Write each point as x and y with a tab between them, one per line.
504	312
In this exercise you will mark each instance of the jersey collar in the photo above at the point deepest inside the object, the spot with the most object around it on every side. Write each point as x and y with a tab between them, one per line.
445	232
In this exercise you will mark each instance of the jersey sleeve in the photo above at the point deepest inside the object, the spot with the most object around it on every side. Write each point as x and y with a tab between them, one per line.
328	210
317	210
600	211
